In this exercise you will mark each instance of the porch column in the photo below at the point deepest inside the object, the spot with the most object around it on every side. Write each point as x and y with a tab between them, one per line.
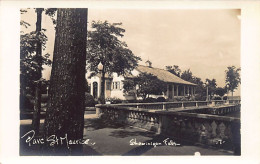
194	90
177	90
91	88
191	91
172	91
167	93
188	89
99	88
183	90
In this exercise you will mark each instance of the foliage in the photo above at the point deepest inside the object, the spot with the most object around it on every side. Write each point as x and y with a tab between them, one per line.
181	99
29	62
149	100
147	84
25	103
212	85
220	91
200	88
51	12
89	100
216	98
161	99
174	70
187	75
104	46
232	78
114	100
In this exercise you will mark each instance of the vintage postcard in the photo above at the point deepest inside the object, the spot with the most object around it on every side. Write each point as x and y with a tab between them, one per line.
161	79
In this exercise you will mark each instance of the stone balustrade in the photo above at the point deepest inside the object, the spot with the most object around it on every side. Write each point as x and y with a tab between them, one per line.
184	104
199	126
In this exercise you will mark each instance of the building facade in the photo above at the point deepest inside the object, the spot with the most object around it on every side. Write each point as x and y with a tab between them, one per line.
176	87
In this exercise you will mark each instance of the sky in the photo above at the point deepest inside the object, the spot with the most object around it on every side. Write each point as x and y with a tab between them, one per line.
204	41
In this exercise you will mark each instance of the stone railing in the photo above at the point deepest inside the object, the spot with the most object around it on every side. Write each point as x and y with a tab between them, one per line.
195	127
213	110
184	104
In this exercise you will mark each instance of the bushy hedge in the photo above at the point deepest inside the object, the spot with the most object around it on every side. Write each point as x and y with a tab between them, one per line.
217	98
161	99
25	103
150	100
89	100
114	100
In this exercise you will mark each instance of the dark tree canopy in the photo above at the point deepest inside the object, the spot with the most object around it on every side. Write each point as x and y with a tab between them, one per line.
221	91
232	78
148	84
187	75
104	45
174	70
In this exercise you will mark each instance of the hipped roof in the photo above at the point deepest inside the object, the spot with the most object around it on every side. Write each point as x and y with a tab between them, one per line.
163	75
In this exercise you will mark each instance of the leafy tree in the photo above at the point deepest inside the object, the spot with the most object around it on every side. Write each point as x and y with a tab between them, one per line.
232	78
221	91
31	58
212	85
65	113
200	89
104	46
174	70
32	61
147	84
187	75
29	61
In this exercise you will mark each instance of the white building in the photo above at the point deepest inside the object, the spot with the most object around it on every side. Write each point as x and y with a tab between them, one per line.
176	87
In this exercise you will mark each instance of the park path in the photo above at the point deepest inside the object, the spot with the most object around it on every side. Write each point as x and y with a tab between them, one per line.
114	139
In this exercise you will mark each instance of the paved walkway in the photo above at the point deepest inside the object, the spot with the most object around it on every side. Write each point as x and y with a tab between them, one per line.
114	139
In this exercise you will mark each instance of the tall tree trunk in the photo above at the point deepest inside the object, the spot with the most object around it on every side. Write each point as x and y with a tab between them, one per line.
37	101
65	113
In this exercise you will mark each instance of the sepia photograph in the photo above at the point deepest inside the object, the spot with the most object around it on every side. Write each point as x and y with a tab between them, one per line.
130	82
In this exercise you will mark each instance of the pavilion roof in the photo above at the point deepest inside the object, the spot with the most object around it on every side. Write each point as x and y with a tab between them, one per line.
163	75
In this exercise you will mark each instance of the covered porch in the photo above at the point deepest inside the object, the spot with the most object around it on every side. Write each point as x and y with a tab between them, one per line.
179	90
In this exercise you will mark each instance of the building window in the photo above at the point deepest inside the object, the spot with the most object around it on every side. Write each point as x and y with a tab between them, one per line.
116	85
108	87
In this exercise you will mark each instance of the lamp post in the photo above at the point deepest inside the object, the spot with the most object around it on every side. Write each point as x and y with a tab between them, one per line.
227	86
207	86
47	89
102	93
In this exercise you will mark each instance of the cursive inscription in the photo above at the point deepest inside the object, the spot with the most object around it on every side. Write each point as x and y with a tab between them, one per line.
167	142
54	140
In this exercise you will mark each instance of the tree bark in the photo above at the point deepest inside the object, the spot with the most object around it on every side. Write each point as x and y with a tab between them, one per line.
37	108
65	113
37	101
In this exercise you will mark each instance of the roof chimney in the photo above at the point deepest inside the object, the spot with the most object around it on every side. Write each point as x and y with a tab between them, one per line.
148	63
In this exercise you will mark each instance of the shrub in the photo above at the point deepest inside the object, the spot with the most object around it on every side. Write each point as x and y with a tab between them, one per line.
217	98
161	99
150	100
114	100
25	103
89	100
44	98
